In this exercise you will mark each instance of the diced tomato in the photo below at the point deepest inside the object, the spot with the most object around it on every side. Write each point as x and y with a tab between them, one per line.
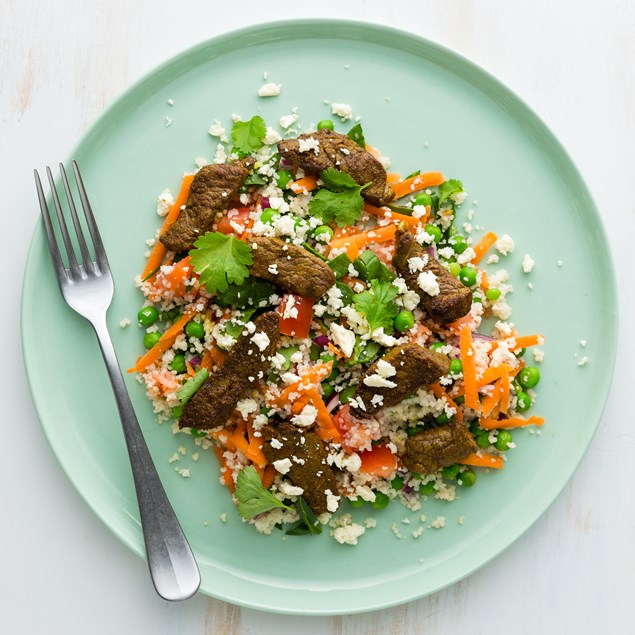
241	216
299	325
379	461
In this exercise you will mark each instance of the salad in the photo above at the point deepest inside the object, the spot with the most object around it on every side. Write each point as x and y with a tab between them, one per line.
317	322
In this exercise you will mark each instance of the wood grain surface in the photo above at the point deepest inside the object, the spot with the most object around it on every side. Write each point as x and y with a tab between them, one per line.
62	62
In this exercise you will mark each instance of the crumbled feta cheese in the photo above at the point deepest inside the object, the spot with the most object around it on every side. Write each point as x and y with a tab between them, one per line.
560	263
125	322
382	338
385	369
164	203
247	407
269	90
306	145
223	517
538	354
492	259
459	197
348	534
332	501
261	340
342	110
583	361
428	283
528	263
583	343
306	418
286	121
275	444
282	465
271	137
505	244
170	102
417	263
216	130
273	268
168	121
501	309
290	490
377	381
344	338
290	310
220	156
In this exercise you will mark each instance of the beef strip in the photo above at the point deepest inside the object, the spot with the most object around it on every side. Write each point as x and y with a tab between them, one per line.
312	472
342	153
213	187
430	450
297	271
454	299
415	365
214	402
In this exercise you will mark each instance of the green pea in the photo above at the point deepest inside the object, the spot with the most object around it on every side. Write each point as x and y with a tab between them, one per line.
325	124
169	316
404	321
443	418
482	440
523	401
347	394
422	199
459	400
323	233
195	329
503	440
381	501
397	482
357	502
150	339
455	269
456	367
451	471
267	215
196	433
427	489
529	376
178	363
314	352
434	231
283	178
521	352
459	244
492	294
467	276
412	430
327	389
436	346
467	478
147	316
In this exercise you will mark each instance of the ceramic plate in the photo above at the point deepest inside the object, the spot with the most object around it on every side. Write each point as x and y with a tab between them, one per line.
425	107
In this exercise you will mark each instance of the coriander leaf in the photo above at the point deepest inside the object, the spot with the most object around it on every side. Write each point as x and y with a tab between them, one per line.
415	173
236	326
249	135
308	523
340	265
371	268
220	260
345	208
255	179
378	305
346	291
364	351
251	292
187	390
357	135
253	498
337	181
448	188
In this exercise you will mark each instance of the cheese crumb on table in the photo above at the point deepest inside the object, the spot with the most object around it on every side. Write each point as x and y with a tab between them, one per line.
342	110
505	244
528	263
269	90
125	322
583	361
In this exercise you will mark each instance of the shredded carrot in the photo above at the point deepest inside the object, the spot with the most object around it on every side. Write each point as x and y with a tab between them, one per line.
512	422
469	368
492	374
206	360
393	177
457	325
268	476
482	246
355	242
484	280
225	471
504	402
158	252
257	457
312	377
166	341
439	392
326	428
376	153
217	356
416	183
386	213
336	351
223	437
190	371
523	341
492	400
480	459
306	184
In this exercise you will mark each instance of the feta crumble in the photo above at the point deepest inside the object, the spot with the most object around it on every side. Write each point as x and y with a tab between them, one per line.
505	244
269	90
306	418
342	110
528	263
428	283
343	337
282	465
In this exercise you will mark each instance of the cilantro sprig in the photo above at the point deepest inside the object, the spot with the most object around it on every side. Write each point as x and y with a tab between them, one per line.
252	497
378	305
448	189
220	260
357	135
339	200
248	136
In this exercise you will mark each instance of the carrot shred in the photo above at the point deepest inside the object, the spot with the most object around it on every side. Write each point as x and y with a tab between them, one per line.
206	359
336	351
484	280
482	246
224	470
167	339
268	476
416	183
523	341
392	178
493	373
490	423
158	252
312	377
492	400
504	402
355	242
326	428
480	459
469	368
190	371
306	184
384	212
439	392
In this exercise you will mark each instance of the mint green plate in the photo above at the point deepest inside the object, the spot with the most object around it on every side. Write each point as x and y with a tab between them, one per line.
427	108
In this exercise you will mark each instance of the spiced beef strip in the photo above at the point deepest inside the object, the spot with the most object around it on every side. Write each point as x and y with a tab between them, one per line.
307	455
212	189
414	366
289	267
335	150
454	299
429	451
214	402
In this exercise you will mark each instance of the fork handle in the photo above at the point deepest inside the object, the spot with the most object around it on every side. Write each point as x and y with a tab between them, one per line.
172	565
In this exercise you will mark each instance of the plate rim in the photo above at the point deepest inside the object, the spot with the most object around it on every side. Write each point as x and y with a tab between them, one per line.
262	28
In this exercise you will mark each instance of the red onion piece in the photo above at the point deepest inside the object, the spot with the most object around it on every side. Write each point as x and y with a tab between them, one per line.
195	361
333	402
432	251
480	336
264	202
321	340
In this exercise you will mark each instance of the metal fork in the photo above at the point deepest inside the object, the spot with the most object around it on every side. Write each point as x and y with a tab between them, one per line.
87	287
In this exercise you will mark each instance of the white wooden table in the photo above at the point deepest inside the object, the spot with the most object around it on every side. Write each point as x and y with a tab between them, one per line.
61	63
